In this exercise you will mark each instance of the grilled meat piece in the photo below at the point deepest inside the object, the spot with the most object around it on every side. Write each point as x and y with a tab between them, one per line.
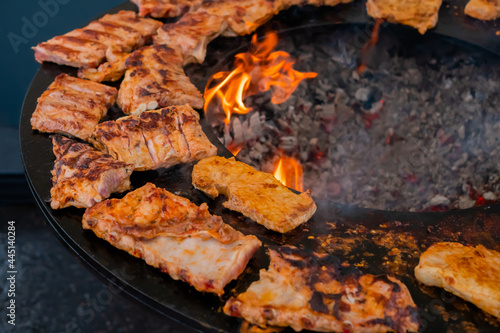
83	176
483	9
191	34
155	139
472	273
306	290
72	106
255	194
175	235
420	14
111	71
165	8
87	47
243	16
155	79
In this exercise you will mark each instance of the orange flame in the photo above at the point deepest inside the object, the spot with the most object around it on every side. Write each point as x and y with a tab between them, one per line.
255	71
289	173
234	149
367	48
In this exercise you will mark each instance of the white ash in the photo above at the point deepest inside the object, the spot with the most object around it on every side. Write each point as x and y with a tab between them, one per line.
419	128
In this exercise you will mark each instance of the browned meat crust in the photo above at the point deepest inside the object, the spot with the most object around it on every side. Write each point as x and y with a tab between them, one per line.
83	176
191	34
155	79
173	234
155	139
472	273
165	8
111	71
420	14
255	194
242	16
72	106
311	291
483	9
87	47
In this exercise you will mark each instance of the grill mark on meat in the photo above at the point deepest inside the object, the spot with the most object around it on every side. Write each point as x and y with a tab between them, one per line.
183	136
143	92
81	114
102	36
117	26
158	80
81	174
89	46
154	139
72	106
159	60
135	59
60	48
86	44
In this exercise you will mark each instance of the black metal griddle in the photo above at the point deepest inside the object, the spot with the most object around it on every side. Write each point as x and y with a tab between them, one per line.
365	227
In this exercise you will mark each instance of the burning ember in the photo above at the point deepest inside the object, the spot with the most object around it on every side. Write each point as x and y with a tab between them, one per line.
289	173
414	129
256	71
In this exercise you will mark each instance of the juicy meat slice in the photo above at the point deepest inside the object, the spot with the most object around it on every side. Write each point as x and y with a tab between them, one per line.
255	194
71	51
165	8
112	70
155	79
472	273
83	176
483	9
191	34
87	47
243	16
305	290
155	139
72	106
146	27
420	14
175	235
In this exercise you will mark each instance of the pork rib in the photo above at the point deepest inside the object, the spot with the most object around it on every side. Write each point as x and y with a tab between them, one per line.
83	176
87	47
155	139
155	79
72	106
173	234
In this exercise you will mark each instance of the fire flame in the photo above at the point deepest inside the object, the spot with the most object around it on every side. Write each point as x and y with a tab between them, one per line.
255	71
234	149
289	173
368	47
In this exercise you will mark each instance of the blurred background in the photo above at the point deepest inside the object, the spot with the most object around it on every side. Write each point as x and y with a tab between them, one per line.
55	291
